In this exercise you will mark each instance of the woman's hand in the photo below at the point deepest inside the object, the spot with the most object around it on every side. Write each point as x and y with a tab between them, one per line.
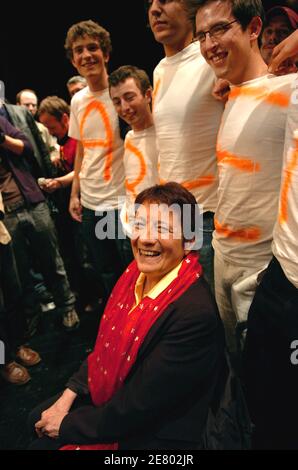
51	419
50	423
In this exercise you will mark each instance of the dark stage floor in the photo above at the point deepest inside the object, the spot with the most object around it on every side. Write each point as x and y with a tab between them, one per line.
62	353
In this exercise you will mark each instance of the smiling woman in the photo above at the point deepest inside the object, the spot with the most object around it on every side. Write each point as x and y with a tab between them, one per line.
158	240
159	351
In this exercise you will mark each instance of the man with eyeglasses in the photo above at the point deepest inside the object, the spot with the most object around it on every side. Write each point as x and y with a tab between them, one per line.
186	115
280	23
249	152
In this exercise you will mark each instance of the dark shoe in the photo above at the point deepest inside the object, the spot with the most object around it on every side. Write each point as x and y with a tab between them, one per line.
71	320
15	374
27	356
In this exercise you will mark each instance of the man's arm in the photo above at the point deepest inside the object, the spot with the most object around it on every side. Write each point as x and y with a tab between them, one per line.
12	139
75	207
287	49
50	185
15	146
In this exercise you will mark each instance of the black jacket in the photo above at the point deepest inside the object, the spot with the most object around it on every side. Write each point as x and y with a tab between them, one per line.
165	398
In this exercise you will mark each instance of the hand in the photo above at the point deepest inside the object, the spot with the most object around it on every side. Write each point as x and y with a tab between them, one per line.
51	419
51	185
286	67
287	49
50	423
75	208
221	90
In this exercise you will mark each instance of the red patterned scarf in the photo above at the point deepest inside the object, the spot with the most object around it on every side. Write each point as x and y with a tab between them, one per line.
123	330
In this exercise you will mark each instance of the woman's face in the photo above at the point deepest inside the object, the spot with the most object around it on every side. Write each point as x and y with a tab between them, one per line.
157	240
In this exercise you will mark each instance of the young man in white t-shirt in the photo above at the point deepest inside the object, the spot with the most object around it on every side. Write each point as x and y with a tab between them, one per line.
249	151
186	115
131	93
271	348
99	173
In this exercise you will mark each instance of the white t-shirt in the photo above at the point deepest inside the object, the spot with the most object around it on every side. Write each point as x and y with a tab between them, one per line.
141	168
187	119
285	236
94	122
249	152
140	161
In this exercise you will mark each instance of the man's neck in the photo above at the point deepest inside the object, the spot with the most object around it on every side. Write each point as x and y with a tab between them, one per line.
173	49
64	139
255	68
98	83
145	124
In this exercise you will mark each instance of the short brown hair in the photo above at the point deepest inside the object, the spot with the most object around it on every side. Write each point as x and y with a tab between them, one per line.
243	10
88	28
130	71
55	106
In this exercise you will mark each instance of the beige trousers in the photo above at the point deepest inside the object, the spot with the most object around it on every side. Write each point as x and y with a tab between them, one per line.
235	288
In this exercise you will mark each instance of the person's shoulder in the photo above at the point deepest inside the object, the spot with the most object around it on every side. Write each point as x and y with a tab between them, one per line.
159	66
284	82
129	135
79	96
198	300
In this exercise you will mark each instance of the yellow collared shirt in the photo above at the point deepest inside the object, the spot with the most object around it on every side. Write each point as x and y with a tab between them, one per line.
158	288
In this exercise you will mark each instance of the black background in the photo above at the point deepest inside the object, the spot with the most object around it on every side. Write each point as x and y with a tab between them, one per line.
32	41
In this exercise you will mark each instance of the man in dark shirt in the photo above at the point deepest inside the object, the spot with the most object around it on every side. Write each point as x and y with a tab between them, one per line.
11	321
30	225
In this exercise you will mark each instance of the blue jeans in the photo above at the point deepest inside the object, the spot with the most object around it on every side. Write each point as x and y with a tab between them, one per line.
33	235
207	252
110	256
12	324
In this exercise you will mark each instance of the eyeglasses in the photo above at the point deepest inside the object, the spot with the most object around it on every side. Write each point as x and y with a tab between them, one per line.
215	32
